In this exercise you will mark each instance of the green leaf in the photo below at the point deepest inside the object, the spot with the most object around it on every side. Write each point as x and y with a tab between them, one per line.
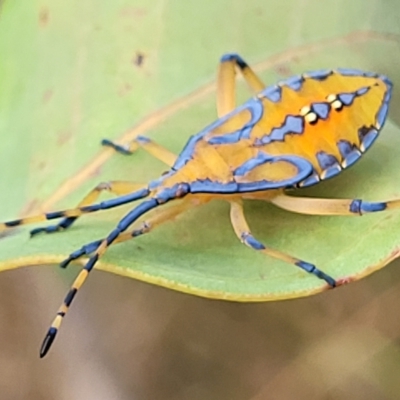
69	77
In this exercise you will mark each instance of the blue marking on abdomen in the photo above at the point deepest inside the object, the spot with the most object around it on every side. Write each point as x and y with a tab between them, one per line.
352	72
255	186
332	171
382	114
321	109
387	81
347	98
244	187
272	93
371	74
326	160
260	159
345	147
369	138
319	75
311	180
383	111
256	110
208	186
233	137
292	125
352	157
388	95
187	152
304	169
294	82
363	90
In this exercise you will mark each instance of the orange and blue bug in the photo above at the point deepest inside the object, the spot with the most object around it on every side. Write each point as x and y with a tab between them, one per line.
294	134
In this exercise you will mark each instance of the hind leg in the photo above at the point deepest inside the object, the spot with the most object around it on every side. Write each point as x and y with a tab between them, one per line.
244	234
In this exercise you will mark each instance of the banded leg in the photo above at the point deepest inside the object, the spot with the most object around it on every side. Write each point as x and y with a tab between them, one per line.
226	82
119	188
157	151
313	206
132	192
157	219
244	234
162	197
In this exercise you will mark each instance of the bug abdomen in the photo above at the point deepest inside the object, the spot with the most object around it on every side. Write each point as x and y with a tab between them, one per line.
321	121
330	128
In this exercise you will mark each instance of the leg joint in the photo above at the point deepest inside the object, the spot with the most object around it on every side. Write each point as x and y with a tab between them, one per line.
103	186
175	192
312	269
236	58
361	207
116	147
249	240
142	139
70	296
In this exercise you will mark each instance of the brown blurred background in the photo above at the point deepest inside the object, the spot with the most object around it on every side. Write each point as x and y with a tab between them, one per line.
129	340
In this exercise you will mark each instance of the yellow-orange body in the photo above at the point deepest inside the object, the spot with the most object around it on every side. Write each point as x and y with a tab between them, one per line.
211	157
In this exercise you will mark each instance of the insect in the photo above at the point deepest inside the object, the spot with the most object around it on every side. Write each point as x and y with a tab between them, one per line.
301	131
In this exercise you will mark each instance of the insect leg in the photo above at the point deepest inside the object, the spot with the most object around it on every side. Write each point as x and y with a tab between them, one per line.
244	234
226	85
157	151
225	103
165	195
313	206
158	218
119	188
70	215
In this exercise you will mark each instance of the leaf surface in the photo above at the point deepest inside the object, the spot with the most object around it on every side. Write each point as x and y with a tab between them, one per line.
75	73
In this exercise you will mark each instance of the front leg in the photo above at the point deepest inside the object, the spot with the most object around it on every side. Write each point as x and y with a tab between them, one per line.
153	148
